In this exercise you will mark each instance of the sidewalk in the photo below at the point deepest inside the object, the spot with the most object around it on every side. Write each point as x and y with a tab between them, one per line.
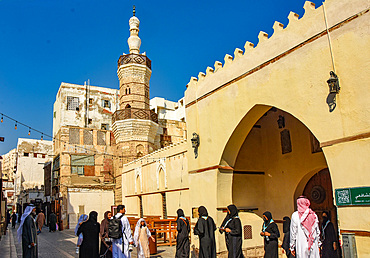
7	247
60	244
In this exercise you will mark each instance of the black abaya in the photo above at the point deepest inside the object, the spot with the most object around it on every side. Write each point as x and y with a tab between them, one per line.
52	222
29	235
205	229
90	232
182	240
233	239
329	237
286	241
271	242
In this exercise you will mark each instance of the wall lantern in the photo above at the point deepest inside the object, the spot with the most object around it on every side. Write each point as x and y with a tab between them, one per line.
195	143
333	83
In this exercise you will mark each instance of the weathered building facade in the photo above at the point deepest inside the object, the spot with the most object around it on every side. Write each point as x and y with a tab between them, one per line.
29	177
83	162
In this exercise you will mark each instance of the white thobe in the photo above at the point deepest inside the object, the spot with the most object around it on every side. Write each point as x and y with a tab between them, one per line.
299	241
117	246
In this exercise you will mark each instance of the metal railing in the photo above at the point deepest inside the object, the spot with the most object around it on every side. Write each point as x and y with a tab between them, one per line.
135	113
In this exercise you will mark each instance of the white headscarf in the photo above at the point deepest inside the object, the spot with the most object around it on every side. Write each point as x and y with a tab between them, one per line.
82	218
137	231
25	214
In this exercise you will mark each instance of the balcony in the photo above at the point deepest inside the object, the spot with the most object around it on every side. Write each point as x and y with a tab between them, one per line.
135	113
134	59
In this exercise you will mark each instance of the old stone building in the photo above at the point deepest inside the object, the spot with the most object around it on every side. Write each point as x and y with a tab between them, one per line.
29	176
83	163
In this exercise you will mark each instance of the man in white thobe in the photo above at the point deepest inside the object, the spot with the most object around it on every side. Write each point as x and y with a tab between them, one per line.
119	249
304	231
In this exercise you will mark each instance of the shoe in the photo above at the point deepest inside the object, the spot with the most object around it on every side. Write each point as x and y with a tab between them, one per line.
77	250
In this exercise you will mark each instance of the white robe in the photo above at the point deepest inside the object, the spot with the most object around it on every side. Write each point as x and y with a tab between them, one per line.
298	239
127	238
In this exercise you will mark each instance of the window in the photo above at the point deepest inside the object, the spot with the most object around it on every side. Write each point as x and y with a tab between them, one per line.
105	103
26	154
128	91
88	137
55	114
90	101
74	136
101	138
105	126
35	155
43	156
72	103
82	165
89	121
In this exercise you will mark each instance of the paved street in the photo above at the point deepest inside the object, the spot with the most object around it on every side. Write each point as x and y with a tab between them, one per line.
61	244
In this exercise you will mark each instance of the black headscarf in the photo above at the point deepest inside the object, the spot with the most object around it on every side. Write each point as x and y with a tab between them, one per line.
93	217
180	213
233	210
286	224
325	218
202	211
268	216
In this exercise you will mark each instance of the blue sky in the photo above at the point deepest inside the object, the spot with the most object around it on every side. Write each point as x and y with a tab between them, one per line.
44	43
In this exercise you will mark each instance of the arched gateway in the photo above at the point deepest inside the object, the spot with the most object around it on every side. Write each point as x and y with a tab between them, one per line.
268	126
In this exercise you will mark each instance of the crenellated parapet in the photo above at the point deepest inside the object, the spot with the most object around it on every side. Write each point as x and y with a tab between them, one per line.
297	33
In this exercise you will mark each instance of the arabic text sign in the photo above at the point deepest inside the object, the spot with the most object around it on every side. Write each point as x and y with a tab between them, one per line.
352	196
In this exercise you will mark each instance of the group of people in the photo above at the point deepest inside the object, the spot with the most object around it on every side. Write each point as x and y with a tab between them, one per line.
112	243
302	234
30	226
303	237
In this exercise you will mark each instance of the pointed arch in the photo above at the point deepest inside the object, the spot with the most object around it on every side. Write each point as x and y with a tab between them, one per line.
161	173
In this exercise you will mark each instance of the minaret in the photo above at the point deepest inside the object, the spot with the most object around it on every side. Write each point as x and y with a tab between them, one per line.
134	124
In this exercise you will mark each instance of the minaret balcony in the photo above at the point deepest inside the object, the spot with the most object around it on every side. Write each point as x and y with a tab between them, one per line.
135	113
134	59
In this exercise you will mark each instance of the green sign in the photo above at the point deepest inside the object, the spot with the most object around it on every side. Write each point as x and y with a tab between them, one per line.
352	196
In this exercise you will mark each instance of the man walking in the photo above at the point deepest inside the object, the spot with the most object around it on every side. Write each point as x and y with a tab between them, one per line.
304	231
40	221
121	246
27	233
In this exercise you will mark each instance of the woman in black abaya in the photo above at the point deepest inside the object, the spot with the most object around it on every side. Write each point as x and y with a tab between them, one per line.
232	227
329	237
182	240
90	231
286	240
271	234
205	229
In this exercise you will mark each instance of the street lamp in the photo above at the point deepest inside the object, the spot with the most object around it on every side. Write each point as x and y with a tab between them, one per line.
333	83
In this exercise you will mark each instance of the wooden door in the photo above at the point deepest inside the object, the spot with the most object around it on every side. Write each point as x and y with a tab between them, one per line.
319	191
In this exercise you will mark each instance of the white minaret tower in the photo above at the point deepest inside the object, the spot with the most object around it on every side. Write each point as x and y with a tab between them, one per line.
134	124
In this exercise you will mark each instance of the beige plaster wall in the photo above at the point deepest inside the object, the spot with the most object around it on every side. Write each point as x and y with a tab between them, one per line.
289	71
164	170
102	202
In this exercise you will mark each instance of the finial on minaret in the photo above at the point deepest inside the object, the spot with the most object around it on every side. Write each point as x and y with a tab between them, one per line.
134	41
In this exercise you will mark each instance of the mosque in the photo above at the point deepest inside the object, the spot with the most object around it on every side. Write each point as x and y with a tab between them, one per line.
284	118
